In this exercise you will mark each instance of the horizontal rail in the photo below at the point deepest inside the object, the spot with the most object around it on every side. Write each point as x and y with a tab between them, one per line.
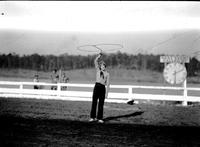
86	96
92	85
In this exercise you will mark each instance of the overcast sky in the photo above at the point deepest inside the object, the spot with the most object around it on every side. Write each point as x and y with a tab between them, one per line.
99	17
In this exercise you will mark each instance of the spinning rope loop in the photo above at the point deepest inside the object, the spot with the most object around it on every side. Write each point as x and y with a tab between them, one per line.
96	48
196	55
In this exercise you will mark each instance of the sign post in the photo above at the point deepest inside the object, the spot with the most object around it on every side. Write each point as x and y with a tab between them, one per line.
174	59
182	59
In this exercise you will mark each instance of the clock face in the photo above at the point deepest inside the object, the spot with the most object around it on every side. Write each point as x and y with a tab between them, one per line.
175	73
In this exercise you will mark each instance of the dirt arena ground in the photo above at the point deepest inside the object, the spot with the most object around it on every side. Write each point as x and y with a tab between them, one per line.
31	122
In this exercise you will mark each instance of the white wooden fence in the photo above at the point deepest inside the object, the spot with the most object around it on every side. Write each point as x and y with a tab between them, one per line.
17	89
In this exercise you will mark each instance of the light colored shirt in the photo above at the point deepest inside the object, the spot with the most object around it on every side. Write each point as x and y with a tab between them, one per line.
54	78
35	80
101	79
65	79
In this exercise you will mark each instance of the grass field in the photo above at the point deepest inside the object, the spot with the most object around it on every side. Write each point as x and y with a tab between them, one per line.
30	122
118	76
85	75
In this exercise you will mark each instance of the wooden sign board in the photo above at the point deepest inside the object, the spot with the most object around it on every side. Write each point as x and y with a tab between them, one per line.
174	58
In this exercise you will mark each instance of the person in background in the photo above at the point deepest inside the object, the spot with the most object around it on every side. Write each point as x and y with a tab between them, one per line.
64	79
54	79
100	91
36	79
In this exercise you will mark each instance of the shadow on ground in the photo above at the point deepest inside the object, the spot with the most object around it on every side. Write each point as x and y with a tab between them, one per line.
123	116
20	131
31	122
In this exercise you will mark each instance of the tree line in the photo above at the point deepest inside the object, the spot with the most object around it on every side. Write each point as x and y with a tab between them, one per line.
69	62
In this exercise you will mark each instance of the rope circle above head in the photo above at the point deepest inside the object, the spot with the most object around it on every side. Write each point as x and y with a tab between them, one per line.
196	55
95	48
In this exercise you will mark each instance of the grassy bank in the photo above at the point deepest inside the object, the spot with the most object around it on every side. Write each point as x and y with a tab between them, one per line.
118	76
30	122
85	75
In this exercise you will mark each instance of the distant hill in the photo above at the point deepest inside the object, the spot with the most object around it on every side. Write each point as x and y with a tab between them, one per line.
29	42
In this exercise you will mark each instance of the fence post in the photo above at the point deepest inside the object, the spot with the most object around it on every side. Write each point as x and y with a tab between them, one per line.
184	103
21	89
130	92
58	90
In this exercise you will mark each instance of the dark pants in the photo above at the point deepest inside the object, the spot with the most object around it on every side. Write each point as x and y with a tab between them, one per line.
36	87
53	87
98	95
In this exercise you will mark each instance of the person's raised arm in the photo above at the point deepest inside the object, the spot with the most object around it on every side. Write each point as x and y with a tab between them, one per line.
97	60
107	86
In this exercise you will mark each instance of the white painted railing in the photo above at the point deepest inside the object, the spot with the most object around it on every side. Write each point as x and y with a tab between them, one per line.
18	90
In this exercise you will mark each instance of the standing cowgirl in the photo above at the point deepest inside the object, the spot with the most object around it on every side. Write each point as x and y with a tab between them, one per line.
100	92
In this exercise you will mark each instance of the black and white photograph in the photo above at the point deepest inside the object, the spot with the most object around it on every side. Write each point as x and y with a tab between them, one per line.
100	73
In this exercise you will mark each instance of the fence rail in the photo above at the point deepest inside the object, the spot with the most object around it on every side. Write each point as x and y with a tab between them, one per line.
78	95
